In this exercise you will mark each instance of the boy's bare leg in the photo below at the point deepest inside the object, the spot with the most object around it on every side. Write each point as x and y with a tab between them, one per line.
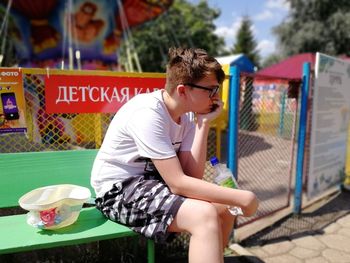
227	222
201	219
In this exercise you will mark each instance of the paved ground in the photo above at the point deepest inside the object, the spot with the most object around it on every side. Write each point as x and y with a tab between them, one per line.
264	168
320	236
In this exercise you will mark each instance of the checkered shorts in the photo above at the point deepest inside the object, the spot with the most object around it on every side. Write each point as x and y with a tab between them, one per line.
145	205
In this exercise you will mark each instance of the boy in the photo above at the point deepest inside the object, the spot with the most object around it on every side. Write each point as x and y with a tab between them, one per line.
147	174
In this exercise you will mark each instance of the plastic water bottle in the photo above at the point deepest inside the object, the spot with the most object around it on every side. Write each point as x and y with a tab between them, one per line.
224	177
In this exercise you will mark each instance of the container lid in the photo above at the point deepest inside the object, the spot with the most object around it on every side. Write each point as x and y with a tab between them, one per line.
214	160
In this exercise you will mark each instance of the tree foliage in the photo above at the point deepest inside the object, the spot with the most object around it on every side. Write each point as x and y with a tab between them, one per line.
315	26
272	59
245	42
184	24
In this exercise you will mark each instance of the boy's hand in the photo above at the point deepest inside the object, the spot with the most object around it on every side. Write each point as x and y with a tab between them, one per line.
216	110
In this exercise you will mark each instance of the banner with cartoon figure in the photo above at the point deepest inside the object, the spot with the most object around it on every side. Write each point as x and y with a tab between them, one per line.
45	33
12	106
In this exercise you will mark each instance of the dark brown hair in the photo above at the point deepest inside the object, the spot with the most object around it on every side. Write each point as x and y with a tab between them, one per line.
189	65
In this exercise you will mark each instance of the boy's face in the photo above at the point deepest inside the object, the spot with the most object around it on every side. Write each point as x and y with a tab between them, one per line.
202	94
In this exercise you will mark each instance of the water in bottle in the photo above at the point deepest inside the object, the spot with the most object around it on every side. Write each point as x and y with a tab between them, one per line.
224	177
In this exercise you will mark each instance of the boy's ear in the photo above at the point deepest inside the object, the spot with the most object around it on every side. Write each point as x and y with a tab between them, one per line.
181	90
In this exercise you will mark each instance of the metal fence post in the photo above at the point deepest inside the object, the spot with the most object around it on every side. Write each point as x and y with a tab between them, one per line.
282	113
301	138
233	115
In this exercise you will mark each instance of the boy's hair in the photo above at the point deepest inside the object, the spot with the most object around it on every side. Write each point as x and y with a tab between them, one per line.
189	65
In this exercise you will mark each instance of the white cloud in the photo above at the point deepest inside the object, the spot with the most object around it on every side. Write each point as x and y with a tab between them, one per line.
225	32
266	47
229	32
271	10
265	15
278	4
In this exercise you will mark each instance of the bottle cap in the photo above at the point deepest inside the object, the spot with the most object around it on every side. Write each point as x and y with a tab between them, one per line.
214	161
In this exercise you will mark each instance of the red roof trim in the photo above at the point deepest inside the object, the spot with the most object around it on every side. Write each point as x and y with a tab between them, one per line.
290	68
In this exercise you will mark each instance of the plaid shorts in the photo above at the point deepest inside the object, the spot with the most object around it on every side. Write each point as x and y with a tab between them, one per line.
144	204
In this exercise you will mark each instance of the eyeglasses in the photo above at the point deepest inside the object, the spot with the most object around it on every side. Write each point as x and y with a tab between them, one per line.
212	91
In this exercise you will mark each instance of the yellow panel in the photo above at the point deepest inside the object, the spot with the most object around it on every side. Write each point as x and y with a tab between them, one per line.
220	123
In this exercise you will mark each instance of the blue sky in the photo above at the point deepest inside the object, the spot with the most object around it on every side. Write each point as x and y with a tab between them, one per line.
265	14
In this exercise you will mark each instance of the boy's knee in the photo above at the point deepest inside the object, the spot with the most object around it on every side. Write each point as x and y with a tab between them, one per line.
207	215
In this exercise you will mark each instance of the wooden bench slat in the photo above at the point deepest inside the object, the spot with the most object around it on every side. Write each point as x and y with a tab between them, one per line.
90	226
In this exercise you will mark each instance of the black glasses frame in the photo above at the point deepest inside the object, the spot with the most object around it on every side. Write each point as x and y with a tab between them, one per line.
212	93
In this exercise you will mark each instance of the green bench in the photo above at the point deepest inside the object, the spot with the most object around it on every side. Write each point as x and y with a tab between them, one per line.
23	172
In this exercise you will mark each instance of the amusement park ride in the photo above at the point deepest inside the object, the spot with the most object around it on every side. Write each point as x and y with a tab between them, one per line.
75	34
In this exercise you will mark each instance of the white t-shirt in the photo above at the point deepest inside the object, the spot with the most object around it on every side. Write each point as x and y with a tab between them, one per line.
141	130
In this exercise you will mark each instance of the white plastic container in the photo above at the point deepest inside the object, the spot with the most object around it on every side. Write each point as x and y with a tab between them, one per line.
54	206
224	177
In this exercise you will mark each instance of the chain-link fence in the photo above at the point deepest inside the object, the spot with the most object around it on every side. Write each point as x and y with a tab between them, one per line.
56	132
267	121
53	131
267	125
266	135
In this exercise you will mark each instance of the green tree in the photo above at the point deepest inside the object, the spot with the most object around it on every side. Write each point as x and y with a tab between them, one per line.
271	59
245	42
315	25
184	24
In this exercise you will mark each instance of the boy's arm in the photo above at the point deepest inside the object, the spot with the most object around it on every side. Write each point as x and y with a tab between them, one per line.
181	184
193	162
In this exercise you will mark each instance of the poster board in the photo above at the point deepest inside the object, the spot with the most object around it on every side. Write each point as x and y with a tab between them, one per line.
329	126
12	104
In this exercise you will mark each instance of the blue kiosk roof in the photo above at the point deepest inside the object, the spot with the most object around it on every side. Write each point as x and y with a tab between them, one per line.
240	60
